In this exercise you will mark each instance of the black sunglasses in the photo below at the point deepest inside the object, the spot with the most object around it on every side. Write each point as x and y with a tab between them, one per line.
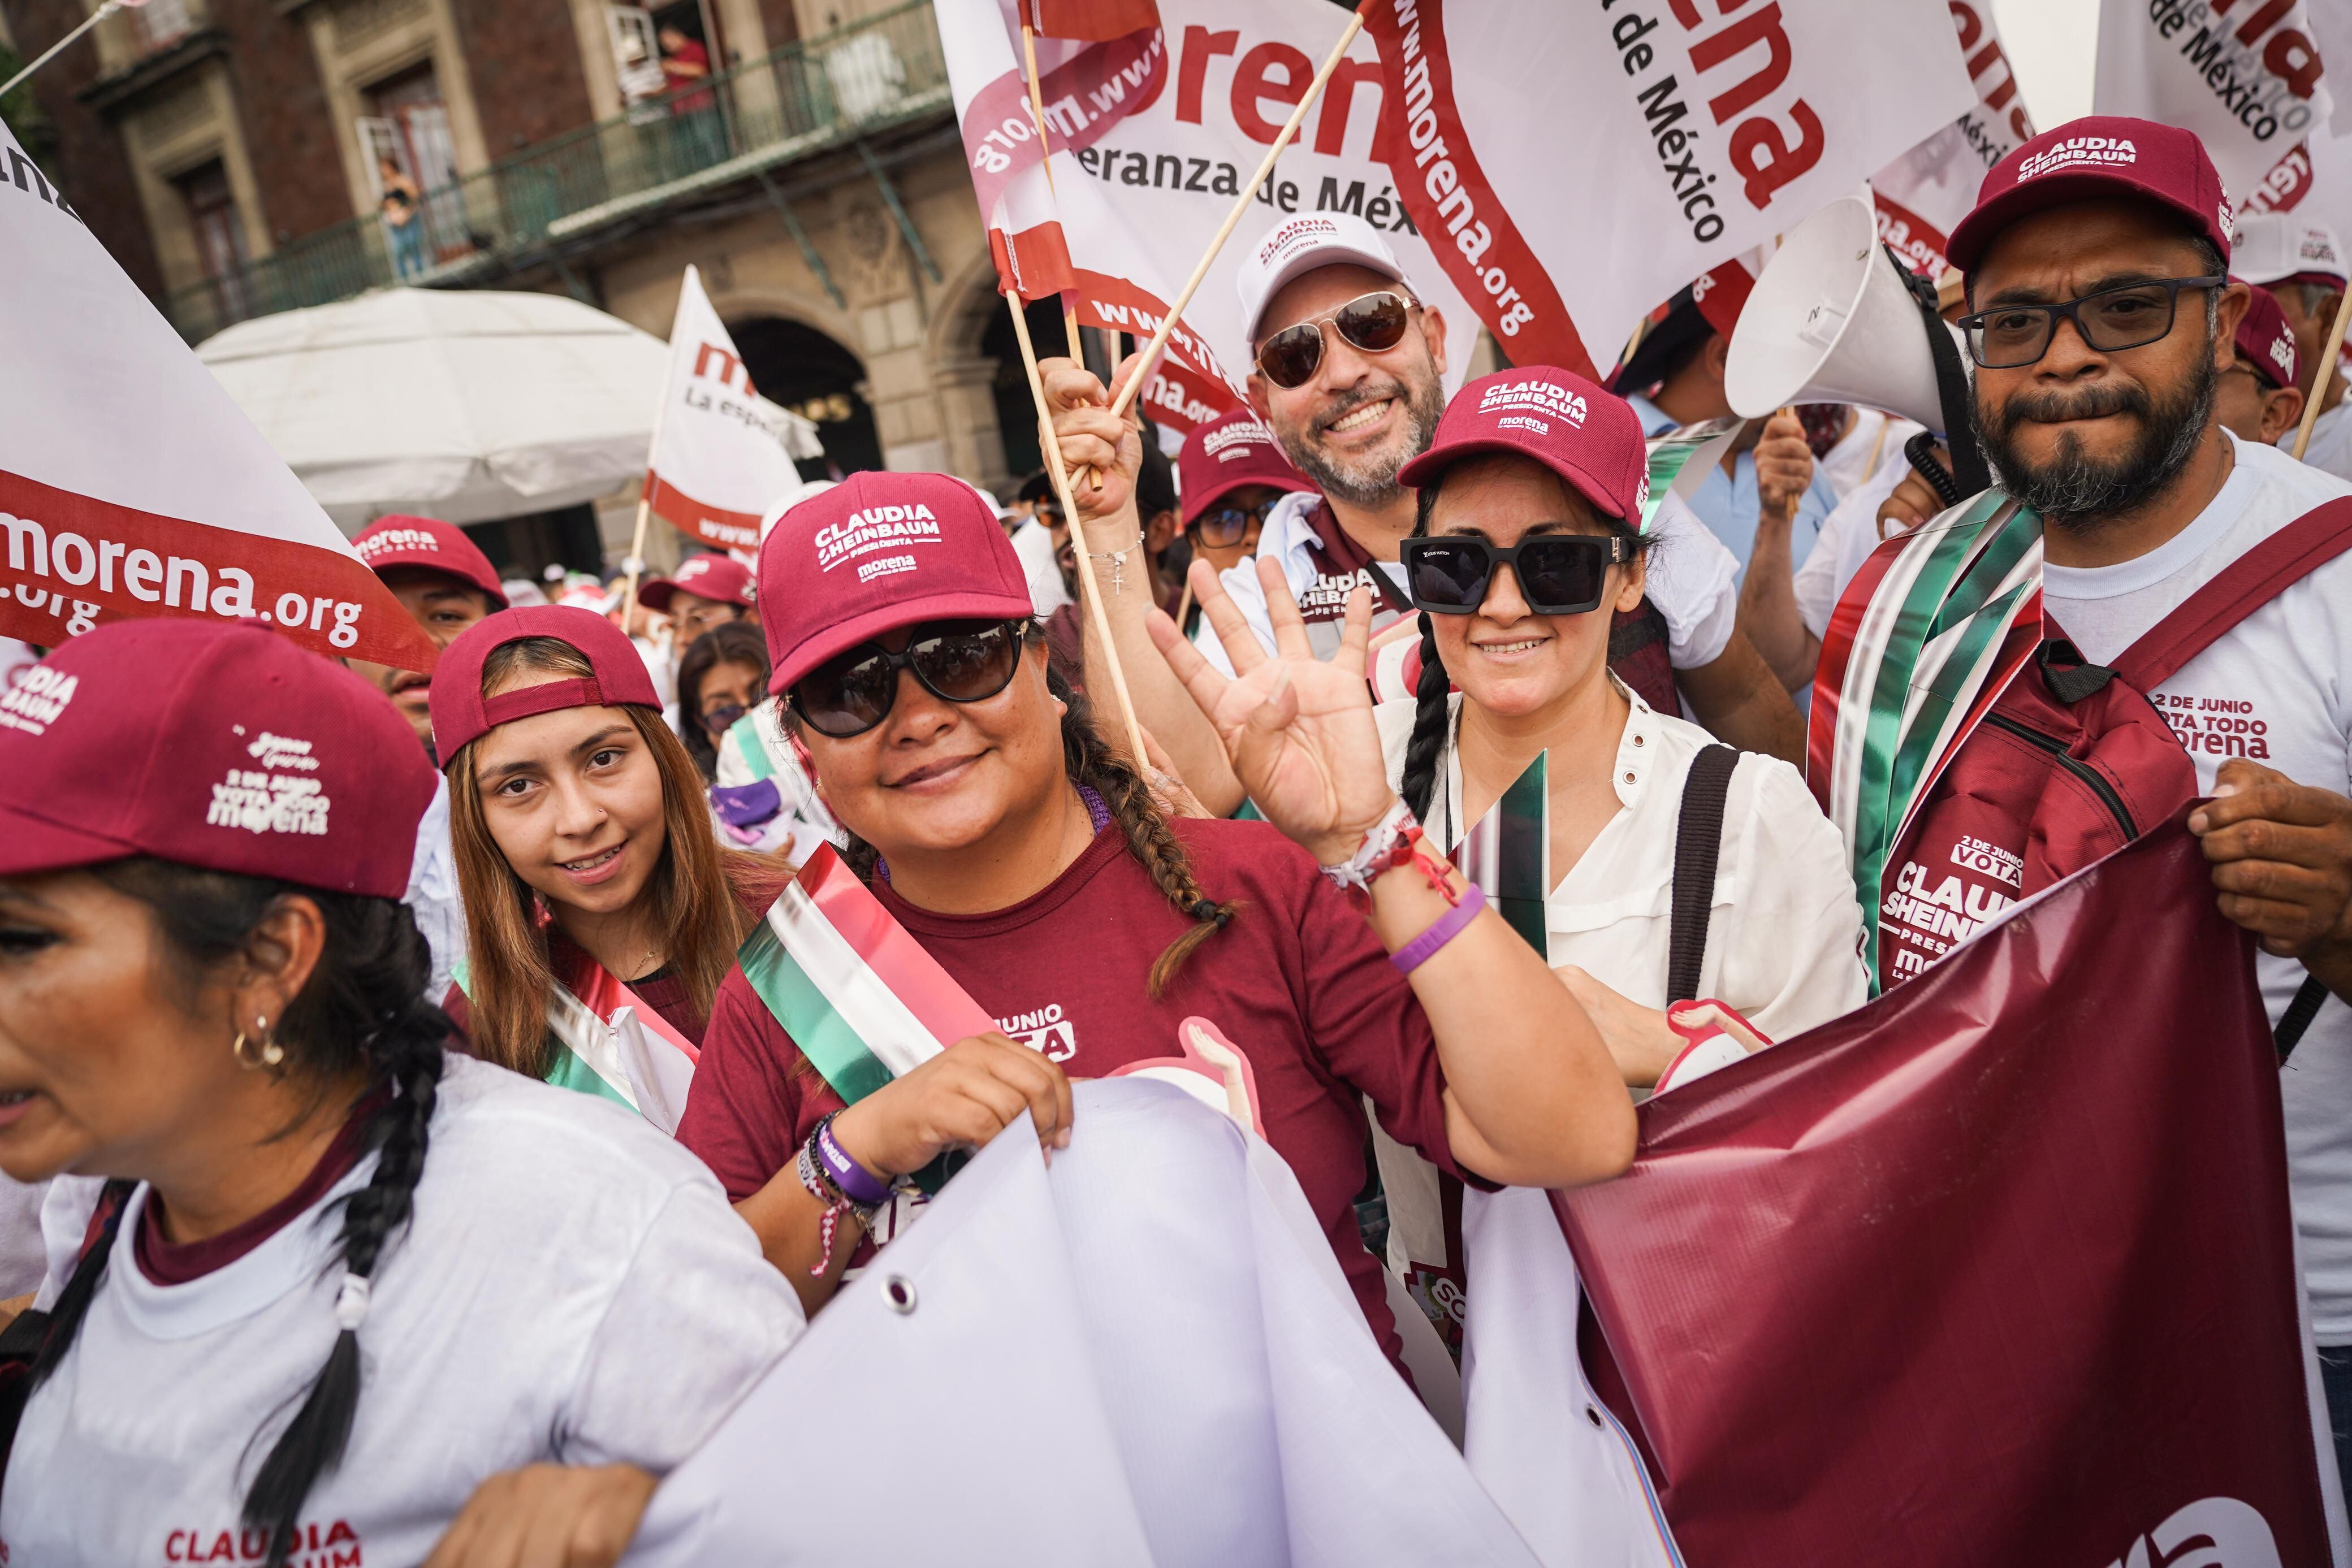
1229	524
1559	574
2129	315
959	661
1373	322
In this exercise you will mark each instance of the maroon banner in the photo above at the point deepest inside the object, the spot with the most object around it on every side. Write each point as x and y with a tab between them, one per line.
1996	1270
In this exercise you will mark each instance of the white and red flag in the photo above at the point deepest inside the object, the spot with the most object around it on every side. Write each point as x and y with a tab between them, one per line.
721	452
1154	129
2245	74
1571	165
129	484
1924	193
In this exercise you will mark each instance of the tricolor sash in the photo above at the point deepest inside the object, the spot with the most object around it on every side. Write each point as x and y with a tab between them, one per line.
608	1043
1680	461
1508	854
1922	644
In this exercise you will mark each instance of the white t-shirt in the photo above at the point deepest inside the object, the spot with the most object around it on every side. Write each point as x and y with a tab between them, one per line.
1861	451
1032	543
2277	689
1693	581
1783	934
573	1288
1846	539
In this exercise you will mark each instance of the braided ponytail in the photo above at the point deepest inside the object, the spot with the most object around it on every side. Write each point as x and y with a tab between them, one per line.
1430	714
364	1006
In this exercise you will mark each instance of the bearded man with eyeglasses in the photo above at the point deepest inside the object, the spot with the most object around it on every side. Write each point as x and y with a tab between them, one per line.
1347	370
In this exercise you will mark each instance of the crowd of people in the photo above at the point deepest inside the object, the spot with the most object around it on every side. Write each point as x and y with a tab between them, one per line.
300	1252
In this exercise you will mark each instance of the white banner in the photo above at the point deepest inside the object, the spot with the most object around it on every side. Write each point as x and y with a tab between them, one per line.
129	484
2246	77
1923	195
1152	136
721	452
1576	164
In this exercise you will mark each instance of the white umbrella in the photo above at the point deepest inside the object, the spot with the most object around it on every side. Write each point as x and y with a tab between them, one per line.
456	404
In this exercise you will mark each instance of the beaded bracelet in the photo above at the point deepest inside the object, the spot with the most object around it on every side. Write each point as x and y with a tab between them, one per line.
817	1177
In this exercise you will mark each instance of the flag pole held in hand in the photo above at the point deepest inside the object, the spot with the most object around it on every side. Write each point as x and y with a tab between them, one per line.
2326	375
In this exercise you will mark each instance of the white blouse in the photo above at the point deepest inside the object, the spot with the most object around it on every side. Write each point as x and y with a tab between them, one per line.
1783	942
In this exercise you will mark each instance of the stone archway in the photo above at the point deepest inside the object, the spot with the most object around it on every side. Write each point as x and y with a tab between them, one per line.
811	372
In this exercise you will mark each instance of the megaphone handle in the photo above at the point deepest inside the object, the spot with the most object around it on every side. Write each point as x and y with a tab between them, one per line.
1921	449
1969	473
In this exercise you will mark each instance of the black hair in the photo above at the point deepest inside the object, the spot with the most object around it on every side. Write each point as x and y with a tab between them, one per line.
1091	762
1419	783
729	642
364	1006
1155	480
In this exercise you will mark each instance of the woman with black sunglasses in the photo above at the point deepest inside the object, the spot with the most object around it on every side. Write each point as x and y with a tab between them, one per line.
1026	857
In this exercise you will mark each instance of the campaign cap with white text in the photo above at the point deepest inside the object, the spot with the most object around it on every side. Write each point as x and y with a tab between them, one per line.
2097	156
1297	246
429	542
719	578
461	714
876	552
2281	247
219	746
1222	455
2266	341
1591	438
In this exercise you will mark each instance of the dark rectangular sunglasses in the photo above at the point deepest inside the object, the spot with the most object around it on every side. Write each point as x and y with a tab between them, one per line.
958	661
1373	322
1559	574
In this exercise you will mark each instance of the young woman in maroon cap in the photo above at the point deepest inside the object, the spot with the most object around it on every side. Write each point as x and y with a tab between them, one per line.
283	1321
592	879
1027	857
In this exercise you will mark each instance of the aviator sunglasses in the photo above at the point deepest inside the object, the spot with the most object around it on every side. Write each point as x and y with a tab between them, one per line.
957	661
1559	574
1373	322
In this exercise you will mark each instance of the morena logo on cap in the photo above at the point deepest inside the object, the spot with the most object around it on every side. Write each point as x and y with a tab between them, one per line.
275	798
875	528
2318	248
1291	234
2097	152
2282	353
1541	396
385	540
35	702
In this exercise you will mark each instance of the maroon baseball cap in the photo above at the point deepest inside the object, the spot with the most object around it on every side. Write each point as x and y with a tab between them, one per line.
2097	156
1229	451
462	714
879	551
715	577
432	544
1589	437
215	745
2266	341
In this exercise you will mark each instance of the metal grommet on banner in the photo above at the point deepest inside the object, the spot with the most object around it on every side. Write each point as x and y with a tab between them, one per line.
900	1291
1592	1415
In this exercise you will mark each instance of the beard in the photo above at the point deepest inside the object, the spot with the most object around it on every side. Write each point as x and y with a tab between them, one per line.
2076	491
1365	479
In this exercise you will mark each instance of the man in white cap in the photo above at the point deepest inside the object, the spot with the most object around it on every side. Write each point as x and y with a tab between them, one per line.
2302	264
1348	372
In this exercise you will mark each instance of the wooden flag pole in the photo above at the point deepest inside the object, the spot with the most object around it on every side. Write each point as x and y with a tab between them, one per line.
1249	193
1091	590
1045	152
637	562
2325	376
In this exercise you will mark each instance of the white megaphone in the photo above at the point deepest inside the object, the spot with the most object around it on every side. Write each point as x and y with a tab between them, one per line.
1831	320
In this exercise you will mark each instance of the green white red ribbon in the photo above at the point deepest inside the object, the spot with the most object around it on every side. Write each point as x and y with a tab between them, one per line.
1922	644
609	1043
1508	854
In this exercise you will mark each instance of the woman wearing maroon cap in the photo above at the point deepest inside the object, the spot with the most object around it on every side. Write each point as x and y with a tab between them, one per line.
269	1185
1029	859
592	877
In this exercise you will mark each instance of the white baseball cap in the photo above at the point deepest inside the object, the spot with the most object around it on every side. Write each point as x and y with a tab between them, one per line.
1299	245
2277	248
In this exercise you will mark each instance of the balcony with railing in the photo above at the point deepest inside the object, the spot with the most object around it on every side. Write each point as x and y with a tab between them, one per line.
830	92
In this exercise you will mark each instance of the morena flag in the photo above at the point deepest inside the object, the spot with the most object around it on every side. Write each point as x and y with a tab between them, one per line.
130	485
1924	193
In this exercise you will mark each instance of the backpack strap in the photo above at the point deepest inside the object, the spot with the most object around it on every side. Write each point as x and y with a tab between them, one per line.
1698	843
2244	586
2309	998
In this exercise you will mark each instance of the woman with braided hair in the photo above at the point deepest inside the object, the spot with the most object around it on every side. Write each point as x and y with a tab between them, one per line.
1026	857
283	1321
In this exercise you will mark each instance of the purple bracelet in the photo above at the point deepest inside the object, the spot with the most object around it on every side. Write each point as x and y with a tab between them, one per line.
1444	929
856	1183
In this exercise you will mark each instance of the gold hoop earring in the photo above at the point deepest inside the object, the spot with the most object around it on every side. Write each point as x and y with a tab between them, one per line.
271	1054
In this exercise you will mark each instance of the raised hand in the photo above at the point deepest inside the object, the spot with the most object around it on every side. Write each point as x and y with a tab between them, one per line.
1784	466
1091	440
1297	732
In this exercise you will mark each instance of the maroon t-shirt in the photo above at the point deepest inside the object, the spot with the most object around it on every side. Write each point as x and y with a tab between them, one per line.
177	1262
1298	981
